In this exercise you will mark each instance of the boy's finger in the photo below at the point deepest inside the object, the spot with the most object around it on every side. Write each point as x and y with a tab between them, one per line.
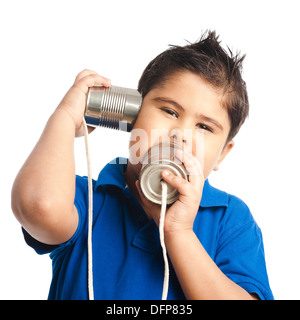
83	74
91	80
177	182
87	74
192	165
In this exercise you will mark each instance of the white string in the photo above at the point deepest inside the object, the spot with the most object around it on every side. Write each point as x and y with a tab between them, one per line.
90	216
164	194
90	225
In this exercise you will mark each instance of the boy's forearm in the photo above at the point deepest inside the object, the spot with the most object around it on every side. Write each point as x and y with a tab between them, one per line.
199	276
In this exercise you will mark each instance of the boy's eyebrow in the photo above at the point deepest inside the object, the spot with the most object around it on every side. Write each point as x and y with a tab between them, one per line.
177	105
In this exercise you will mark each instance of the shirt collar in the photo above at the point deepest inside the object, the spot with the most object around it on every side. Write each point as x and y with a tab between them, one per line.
212	197
112	175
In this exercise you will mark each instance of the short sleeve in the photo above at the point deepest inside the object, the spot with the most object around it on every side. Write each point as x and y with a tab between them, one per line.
240	254
80	203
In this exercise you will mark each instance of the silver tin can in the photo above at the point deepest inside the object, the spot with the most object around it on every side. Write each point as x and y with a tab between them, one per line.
113	107
158	158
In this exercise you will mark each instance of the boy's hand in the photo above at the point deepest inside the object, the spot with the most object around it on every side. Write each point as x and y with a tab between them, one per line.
75	99
180	215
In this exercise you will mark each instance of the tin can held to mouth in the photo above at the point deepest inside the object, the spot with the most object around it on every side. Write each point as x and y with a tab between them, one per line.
158	158
113	107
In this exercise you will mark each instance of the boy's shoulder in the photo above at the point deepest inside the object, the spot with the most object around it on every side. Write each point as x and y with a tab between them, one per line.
213	197
235	210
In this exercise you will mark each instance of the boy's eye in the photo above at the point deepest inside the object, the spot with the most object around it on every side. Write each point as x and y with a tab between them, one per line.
204	127
170	112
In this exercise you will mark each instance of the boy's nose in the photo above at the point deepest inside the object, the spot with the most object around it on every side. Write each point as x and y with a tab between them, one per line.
177	136
176	139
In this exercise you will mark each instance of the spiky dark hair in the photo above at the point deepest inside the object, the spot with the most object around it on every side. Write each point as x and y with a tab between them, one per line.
219	67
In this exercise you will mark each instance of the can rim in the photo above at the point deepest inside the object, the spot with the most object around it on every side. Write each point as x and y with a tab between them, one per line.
148	191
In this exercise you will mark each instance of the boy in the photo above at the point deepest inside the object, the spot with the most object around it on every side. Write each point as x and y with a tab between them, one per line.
213	243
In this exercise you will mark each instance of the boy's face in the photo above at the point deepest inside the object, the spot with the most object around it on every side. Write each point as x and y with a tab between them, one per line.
186	110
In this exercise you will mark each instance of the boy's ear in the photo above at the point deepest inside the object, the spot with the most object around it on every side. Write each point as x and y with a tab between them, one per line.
224	153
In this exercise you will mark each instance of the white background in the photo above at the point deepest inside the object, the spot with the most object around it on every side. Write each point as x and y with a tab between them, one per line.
44	44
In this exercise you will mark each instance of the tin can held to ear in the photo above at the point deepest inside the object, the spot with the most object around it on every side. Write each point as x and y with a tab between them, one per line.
113	107
158	158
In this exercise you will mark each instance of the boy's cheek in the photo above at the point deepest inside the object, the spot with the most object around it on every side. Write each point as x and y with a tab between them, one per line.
138	145
142	140
208	166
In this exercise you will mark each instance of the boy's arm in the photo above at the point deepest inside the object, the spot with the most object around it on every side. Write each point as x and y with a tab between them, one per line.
44	189
199	277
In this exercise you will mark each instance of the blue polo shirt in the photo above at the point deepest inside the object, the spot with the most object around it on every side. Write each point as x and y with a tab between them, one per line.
127	257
